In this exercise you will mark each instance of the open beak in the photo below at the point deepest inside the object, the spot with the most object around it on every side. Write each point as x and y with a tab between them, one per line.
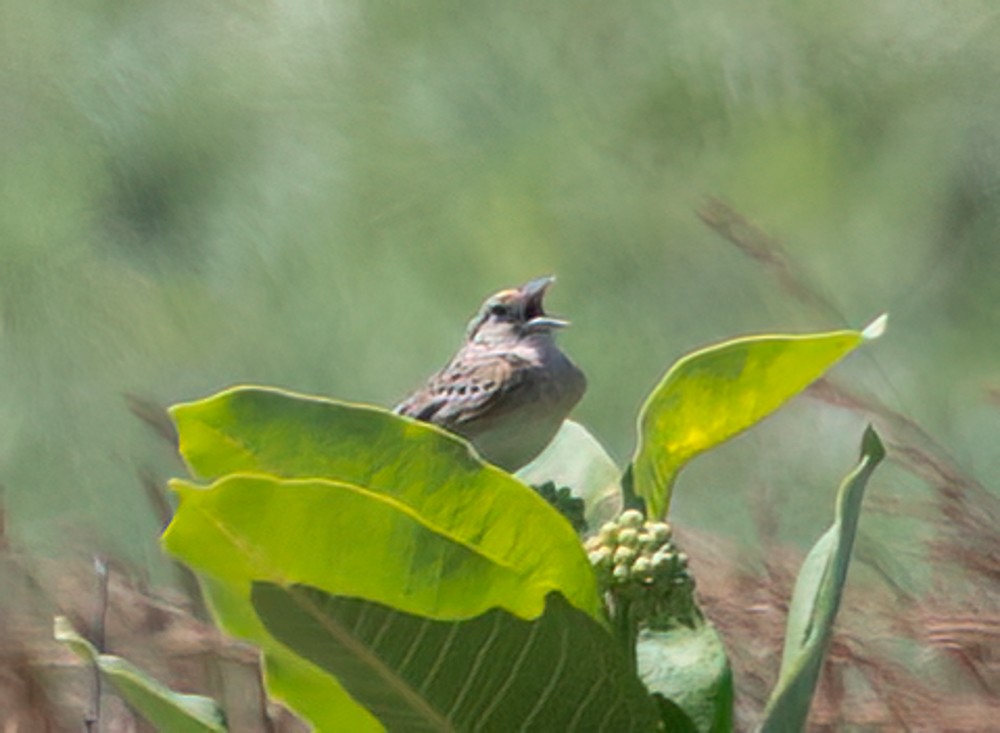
534	310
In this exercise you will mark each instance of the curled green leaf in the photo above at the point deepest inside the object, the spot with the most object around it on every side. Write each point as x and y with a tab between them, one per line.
713	394
816	599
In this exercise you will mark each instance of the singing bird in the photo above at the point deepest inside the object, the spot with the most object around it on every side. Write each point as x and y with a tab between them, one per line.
509	387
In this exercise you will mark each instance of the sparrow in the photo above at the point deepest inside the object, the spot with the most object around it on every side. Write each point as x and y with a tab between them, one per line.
509	387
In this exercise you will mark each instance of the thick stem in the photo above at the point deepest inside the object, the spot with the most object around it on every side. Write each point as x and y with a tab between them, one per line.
626	628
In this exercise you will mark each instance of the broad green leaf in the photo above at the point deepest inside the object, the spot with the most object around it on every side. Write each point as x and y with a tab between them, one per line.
435	474
165	709
688	666
560	672
816	600
346	540
576	459
711	395
306	689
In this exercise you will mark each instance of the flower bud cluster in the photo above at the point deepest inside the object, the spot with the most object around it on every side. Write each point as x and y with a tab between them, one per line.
637	560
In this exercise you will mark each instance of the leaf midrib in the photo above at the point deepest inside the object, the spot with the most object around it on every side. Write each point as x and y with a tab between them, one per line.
410	696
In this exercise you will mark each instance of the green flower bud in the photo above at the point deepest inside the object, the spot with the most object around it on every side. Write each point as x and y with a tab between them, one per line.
608	534
660	530
641	568
624	555
628	537
631	518
601	557
663	559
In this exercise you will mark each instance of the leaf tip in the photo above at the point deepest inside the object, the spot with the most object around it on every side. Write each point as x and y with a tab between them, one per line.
876	328
62	629
871	445
178	410
63	632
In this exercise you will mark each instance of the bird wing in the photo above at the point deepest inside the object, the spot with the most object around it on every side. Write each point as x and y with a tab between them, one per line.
465	390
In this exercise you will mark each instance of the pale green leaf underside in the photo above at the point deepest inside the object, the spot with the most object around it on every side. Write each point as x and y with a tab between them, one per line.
689	667
165	709
561	671
816	600
711	395
576	459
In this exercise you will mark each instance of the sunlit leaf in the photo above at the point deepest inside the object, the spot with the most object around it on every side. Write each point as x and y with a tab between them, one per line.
816	600
711	395
165	709
561	671
347	540
427	481
418	466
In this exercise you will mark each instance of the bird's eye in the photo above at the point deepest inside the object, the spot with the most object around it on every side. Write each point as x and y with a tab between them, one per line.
498	309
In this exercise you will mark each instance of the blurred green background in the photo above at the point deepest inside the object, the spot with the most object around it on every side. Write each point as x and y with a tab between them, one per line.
318	195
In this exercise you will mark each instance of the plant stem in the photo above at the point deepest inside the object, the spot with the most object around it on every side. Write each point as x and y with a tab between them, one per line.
92	721
629	498
626	629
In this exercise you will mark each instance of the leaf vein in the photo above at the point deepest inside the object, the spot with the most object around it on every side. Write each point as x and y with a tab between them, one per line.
420	706
554	679
515	669
474	669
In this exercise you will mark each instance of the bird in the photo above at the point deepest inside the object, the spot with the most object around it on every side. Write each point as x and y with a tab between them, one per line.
509	387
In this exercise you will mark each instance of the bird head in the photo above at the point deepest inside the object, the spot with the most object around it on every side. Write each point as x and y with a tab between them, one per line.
515	313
